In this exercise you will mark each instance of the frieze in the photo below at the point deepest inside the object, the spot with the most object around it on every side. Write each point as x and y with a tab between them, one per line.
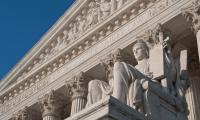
66	57
23	96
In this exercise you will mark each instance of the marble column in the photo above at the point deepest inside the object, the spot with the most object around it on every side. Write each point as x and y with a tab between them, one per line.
51	106
192	15
78	90
198	42
193	99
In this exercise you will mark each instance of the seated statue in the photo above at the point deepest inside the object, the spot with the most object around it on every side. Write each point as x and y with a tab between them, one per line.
127	83
124	80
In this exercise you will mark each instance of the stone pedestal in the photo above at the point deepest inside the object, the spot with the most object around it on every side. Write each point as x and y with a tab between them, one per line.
108	109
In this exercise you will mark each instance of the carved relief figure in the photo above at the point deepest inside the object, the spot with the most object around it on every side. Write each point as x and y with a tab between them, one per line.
61	43
81	22
65	36
71	32
92	14
105	7
120	3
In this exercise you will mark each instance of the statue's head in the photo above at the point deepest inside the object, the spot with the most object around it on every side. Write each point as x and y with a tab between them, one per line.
140	50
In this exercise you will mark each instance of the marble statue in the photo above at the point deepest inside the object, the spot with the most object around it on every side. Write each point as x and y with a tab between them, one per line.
128	80
127	83
124	79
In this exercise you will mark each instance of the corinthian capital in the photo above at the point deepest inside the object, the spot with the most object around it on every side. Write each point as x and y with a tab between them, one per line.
192	15
51	104
78	86
25	114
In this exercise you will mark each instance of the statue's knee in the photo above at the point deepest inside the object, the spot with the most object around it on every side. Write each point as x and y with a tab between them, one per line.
118	66
93	84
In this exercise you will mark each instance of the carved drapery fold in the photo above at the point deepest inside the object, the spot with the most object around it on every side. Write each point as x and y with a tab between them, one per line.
78	91
51	106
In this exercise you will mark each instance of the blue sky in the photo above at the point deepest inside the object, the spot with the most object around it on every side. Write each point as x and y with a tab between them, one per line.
22	24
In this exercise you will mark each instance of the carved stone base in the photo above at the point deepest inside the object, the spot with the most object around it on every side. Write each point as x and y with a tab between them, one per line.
108	109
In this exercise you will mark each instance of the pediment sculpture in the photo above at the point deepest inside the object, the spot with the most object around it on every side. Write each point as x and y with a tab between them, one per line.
138	86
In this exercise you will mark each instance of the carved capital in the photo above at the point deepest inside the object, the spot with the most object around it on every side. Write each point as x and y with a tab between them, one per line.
192	15
157	35
25	114
51	104
78	86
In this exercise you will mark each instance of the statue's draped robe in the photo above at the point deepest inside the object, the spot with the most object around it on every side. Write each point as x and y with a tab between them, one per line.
128	82
125	86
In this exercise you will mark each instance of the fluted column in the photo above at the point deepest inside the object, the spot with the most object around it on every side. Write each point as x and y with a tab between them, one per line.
51	106
193	99
78	90
192	15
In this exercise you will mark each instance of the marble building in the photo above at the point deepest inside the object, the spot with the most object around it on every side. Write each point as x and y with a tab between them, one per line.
111	60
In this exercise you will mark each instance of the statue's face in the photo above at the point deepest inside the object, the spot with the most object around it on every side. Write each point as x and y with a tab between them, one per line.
139	52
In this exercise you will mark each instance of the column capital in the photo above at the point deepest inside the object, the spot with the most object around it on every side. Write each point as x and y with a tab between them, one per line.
25	114
78	86
51	104
192	15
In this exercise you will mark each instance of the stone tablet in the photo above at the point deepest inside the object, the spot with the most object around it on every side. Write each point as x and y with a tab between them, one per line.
156	62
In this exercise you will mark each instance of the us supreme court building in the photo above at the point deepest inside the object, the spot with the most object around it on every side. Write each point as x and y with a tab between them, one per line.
111	60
